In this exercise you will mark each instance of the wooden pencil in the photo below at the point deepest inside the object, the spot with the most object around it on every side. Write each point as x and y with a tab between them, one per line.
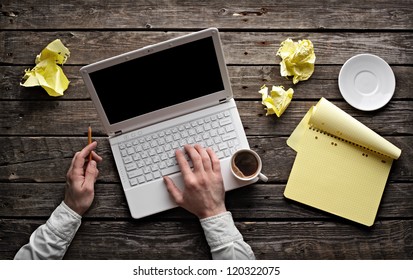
89	139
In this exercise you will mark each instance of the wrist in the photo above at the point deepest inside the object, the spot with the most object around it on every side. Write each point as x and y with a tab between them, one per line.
212	212
70	210
72	205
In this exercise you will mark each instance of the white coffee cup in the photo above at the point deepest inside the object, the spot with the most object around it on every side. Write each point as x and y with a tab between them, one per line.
246	165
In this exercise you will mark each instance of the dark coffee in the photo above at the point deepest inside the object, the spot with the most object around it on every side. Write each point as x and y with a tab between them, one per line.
246	164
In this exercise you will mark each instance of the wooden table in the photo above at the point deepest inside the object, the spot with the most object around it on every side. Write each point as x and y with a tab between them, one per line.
39	134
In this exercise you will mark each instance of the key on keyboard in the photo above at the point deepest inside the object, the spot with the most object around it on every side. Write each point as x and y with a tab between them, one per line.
152	156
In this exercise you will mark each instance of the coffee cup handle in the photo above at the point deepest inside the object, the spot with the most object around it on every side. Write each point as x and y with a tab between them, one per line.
262	177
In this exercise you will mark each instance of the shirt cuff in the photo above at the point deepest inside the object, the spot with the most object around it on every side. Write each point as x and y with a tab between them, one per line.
64	222
220	230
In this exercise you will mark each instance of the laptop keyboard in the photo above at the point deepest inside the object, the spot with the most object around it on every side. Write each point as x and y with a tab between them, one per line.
149	157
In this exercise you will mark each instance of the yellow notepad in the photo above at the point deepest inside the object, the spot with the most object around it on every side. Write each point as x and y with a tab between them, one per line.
341	165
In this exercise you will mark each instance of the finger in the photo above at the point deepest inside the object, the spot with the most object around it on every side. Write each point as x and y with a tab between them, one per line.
182	162
216	165
194	156
78	161
96	157
74	160
91	174
206	160
88	149
173	190
80	157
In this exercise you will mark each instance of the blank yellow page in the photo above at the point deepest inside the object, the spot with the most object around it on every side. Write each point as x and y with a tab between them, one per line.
337	176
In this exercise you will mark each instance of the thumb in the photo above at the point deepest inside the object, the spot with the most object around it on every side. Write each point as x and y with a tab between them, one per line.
173	190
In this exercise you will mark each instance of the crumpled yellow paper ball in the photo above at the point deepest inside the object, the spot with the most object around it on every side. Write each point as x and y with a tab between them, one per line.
47	73
277	101
298	59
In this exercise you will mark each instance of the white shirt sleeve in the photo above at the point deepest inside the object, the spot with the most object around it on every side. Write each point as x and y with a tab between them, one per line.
51	240
224	239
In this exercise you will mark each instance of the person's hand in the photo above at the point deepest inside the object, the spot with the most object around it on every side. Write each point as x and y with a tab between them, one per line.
81	178
204	193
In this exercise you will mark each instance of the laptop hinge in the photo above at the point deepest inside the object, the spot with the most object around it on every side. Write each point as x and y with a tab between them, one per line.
119	132
223	100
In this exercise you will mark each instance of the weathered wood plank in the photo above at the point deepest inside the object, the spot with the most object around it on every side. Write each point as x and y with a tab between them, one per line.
46	159
393	119
39	134
258	201
21	47
246	80
185	240
36	118
262	14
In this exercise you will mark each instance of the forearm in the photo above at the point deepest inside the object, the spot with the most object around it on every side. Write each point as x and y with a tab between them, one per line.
51	240
224	239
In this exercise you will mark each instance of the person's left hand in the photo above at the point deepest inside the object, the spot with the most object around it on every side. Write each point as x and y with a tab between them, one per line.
81	178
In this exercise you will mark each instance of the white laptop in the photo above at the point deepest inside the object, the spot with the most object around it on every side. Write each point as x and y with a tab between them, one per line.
153	100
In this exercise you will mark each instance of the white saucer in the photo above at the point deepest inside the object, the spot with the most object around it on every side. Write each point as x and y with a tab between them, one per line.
366	82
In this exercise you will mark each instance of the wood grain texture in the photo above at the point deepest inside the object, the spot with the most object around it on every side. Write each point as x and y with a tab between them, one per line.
247	47
291	240
46	159
246	81
258	201
33	118
192	14
39	134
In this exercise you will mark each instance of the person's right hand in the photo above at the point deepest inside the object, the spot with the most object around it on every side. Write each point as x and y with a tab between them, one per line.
204	193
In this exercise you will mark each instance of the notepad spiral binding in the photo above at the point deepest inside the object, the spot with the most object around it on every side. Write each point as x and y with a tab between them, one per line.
312	127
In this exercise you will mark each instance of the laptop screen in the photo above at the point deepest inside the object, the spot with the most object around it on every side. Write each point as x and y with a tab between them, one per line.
158	80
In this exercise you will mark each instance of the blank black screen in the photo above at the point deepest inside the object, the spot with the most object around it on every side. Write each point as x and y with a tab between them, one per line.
158	80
